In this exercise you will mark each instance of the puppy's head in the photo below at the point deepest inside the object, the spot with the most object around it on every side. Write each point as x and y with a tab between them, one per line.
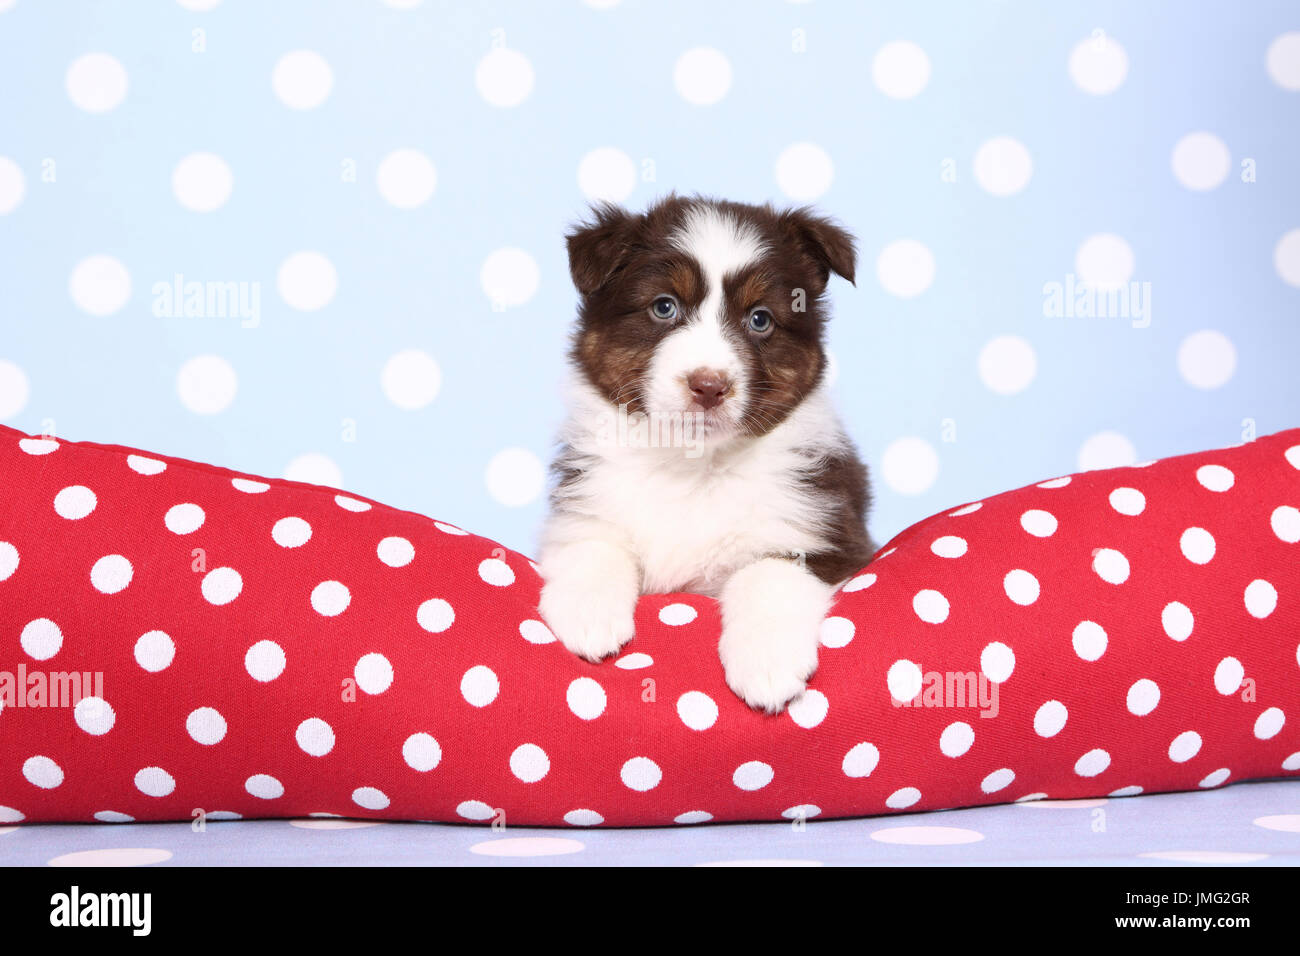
705	308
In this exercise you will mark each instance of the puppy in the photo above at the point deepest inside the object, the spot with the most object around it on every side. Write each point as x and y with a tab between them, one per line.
701	452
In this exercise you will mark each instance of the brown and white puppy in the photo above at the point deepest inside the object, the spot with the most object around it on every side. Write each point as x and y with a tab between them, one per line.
701	452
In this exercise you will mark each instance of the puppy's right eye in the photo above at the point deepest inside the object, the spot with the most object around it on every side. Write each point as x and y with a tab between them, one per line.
664	308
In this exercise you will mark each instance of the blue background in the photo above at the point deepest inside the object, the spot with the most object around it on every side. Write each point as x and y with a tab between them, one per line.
508	177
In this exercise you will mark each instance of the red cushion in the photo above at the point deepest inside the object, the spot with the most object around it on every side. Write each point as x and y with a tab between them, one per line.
392	666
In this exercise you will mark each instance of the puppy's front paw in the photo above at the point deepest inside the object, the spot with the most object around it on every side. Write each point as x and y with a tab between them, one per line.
592	622
765	667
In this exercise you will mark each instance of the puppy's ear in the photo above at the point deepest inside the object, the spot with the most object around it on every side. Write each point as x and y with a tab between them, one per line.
598	247
827	243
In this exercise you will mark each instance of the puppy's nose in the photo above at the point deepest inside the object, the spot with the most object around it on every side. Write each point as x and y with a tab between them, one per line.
708	386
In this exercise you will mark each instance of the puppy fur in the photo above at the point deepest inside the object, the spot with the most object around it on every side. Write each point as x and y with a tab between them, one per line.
701	452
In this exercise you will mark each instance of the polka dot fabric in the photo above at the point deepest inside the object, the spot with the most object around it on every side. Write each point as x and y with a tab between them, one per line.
275	649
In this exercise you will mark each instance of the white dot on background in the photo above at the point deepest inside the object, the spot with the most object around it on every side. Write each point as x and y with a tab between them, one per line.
1286	256
302	79
1185	746
1089	640
154	651
96	82
903	798
1176	618
693	816
504	77
1142	697
111	573
221	585
1201	161
804	171
42	772
145	466
206	726
479	685
99	285
1021	587
906	268
515	477
291	532
676	615
836	631
997	662
860	583
529	763
904	680
1039	523
861	760
264	661
930	606
1285	522
264	786
41	639
434	615
1098	64
94	715
496	572
1050	718
8	560
74	502
411	379
421	752
956	739
640	774
1197	545
1207	359
910	466
14	389
315	737
1283	61
1007	365
998	780
697	710
198	6
1228	675
535	632
509	277
1269	723
949	546
809	709
607	174
1092	763
1261	598
1104	262
154	781
307	281
524	847
314	468
406	178
1128	501
206	384
202	182
184	518
373	673
900	70
1106	450
1215	477
12	185
702	76
926	836
1003	166
752	775
330	598
586	698
1111	565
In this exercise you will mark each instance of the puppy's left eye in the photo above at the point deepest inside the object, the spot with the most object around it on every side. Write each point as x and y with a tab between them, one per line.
760	322
664	308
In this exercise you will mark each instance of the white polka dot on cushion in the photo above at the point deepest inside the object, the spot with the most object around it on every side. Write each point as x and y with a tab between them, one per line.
634	661
315	736
529	763
930	606
904	680
903	798
146	466
861	582
421	752
949	546
837	631
1215	477
37	446
1142	697
370	798
221	585
752	775
1185	746
1021	587
8	560
1177	620
966	510
1285	522
1090	640
474	810
1261	598
1050	718
355	505
154	782
435	615
586	698
330	598
1111	566
998	780
94	715
583	818
291	532
1041	524
184	518
496	572
535	632
997	661
677	614
248	486
640	774
373	673
1092	763
206	726
809	709
41	638
264	661
1269	723
264	786
396	552
74	502
697	710
1128	501
693	816
861	760
42	772
1228	675
479	685
154	651
956	739
111	574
